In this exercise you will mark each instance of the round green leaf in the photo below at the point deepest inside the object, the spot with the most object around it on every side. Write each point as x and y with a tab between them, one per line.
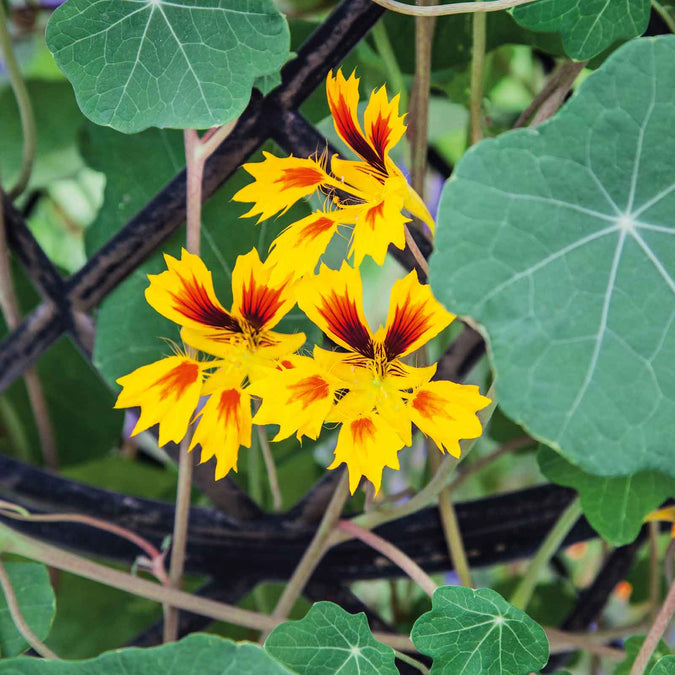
179	63
615	507
35	596
330	640
560	241
479	633
665	666
197	653
587	27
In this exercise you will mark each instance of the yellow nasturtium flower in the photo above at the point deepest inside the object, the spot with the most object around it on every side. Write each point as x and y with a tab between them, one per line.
241	344
367	388
368	195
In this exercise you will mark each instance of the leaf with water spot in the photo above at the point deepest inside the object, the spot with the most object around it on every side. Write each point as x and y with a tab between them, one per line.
587	27
479	633
560	241
330	640
166	63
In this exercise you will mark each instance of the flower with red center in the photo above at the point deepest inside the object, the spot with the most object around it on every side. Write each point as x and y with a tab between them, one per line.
368	195
241	339
367	388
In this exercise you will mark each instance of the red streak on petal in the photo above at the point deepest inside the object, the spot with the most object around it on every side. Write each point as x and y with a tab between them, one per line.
310	389
362	429
300	177
193	302
228	405
408	324
339	312
429	404
178	379
315	228
379	135
373	214
259	304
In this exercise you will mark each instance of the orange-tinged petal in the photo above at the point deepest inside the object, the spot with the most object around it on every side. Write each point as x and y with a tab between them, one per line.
279	183
446	412
383	125
261	295
224	426
666	514
296	251
333	300
366	444
297	396
416	207
415	316
167	392
185	294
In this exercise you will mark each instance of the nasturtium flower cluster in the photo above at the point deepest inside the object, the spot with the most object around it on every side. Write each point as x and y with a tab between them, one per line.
364	387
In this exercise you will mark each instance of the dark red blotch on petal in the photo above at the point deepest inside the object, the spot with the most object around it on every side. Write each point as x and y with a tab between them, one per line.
340	313
300	177
178	379
259	304
408	324
194	303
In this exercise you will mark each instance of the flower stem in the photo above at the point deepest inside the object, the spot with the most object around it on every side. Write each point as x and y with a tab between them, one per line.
402	656
314	552
415	250
386	52
453	537
661	623
665	15
477	68
24	104
18	619
388	550
654	570
272	476
523	593
452	8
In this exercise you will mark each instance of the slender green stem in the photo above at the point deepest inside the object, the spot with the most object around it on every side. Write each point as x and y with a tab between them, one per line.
415	250
388	550
272	476
314	552
523	593
453	537
402	656
453	8
654	570
18	618
213	138
477	70
386	52
25	107
665	15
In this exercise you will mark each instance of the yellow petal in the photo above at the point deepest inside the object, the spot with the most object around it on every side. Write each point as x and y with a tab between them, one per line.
446	412
167	392
366	445
383	125
224	425
415	316
333	300
279	183
185	294
414	204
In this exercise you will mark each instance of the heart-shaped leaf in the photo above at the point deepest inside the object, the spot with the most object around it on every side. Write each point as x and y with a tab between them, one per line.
166	63
588	27
560	241
330	640
479	633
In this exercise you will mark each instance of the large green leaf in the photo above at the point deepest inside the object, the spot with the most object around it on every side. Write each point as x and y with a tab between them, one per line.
664	666
196	654
632	647
615	507
587	27
330	640
129	332
559	241
179	63
35	596
479	633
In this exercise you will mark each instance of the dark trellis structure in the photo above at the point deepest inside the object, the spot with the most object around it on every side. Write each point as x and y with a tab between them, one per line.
240	546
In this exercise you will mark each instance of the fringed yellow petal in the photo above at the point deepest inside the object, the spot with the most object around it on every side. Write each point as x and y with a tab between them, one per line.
297	396
446	412
185	294
224	426
383	125
333	300
415	316
279	183
167	393
367	444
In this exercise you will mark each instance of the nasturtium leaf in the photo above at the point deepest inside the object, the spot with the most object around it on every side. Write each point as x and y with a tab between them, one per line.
560	242
129	332
632	647
587	27
166	63
479	633
35	596
615	507
197	653
664	666
330	640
